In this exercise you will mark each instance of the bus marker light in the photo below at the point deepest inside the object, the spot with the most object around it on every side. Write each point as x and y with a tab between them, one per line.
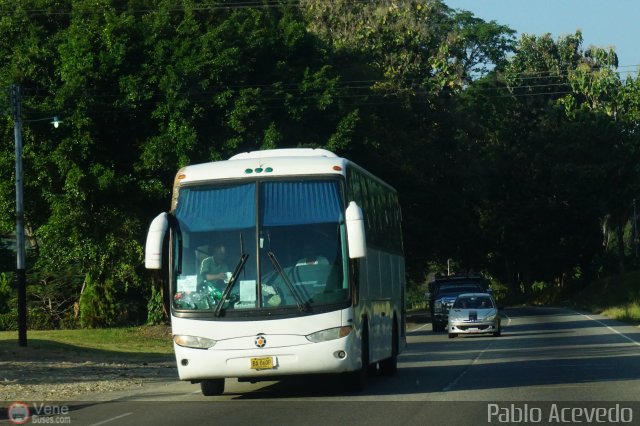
248	171
184	362
341	354
337	168
181	176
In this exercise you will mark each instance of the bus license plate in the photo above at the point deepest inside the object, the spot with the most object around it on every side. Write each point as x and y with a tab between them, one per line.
264	363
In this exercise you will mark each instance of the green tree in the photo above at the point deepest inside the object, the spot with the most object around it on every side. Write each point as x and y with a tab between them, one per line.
544	146
403	64
598	90
144	88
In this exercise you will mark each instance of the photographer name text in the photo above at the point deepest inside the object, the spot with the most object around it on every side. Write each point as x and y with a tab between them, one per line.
557	413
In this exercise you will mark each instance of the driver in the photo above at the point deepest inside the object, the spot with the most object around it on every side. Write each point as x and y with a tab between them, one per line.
214	268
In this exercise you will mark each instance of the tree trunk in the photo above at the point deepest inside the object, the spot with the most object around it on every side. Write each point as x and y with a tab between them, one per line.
620	245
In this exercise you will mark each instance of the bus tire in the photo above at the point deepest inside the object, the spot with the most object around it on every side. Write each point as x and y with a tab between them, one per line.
212	387
389	366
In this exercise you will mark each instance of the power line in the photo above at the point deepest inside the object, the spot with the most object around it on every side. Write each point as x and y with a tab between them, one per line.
249	4
337	84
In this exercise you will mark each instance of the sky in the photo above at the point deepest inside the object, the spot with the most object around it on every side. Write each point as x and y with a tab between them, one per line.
604	23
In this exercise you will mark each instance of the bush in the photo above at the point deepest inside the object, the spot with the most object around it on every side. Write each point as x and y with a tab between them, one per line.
8	295
155	308
69	320
41	320
97	304
416	295
499	290
9	321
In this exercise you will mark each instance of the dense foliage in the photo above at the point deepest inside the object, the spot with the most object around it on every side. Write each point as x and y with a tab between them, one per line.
517	158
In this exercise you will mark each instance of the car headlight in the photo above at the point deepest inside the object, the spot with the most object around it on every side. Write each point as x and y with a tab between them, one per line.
329	334
491	316
454	315
194	342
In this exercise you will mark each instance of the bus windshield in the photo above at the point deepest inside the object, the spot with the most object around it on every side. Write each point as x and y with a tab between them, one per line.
263	246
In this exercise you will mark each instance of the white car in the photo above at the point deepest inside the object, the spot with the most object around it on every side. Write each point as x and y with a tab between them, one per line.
474	313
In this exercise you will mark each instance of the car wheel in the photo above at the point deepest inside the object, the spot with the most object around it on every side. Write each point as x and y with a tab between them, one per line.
499	332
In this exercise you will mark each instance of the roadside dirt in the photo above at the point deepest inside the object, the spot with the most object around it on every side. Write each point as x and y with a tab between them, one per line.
50	372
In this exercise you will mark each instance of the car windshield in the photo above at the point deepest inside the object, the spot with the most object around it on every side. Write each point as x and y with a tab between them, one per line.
473	302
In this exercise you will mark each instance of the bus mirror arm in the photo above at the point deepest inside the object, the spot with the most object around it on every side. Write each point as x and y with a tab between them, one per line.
155	240
355	231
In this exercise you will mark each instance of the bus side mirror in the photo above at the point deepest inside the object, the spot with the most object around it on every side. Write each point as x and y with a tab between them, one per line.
355	231
155	239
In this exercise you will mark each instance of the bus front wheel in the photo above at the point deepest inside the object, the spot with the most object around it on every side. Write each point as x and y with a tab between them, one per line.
212	387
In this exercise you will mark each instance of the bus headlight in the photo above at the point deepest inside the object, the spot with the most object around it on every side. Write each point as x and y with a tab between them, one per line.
329	334
194	342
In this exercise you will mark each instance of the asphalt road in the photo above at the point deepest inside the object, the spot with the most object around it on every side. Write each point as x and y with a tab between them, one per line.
549	364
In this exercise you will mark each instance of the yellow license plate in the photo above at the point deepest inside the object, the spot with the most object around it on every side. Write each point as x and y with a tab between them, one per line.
264	363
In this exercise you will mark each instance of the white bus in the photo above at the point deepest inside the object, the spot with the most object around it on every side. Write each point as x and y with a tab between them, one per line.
281	262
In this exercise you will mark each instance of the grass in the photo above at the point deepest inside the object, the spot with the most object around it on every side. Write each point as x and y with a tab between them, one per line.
616	297
110	344
628	313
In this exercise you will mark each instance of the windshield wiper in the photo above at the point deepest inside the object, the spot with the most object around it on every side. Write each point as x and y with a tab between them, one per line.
232	281
302	305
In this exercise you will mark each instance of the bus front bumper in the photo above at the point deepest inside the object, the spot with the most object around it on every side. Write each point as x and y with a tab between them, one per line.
333	356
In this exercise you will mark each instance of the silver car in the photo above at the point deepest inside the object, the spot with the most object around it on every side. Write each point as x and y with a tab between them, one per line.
474	313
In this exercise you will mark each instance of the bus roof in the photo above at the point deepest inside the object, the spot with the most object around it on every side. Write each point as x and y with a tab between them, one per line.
267	163
285	152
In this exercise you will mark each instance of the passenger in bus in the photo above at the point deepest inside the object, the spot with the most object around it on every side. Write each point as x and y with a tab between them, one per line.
214	268
311	257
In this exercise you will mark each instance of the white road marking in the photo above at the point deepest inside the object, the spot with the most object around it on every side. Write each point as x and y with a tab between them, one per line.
610	328
111	419
455	381
418	329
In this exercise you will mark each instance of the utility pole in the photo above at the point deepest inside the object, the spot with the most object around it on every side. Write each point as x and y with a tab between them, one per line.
21	281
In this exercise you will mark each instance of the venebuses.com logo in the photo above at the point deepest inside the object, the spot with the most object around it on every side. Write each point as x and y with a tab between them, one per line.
20	413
